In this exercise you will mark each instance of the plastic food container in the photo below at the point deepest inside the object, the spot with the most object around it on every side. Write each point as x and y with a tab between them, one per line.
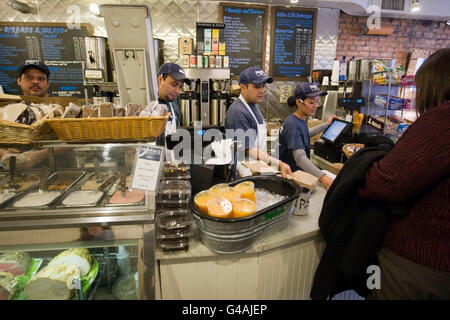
174	170
174	222
201	199
174	190
172	205
243	207
217	187
173	242
219	207
247	190
229	193
233	235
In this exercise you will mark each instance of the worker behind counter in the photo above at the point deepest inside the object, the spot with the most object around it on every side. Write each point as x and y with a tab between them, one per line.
33	78
244	114
294	134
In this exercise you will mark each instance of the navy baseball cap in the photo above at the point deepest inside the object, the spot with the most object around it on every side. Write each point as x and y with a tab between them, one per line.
254	75
308	90
175	71
27	64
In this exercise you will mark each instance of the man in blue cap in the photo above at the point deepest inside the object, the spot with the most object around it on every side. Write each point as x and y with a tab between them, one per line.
244	114
33	78
171	78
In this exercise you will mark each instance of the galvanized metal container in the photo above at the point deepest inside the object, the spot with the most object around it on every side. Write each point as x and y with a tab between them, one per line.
233	235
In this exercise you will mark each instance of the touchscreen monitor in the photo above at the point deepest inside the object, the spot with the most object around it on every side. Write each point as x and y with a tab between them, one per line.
335	130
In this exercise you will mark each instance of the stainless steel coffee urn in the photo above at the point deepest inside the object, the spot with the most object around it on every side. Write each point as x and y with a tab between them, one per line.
189	103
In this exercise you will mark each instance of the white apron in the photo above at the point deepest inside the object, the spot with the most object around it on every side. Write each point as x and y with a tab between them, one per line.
171	127
261	139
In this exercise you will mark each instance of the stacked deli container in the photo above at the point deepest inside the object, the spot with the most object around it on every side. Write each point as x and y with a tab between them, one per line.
173	214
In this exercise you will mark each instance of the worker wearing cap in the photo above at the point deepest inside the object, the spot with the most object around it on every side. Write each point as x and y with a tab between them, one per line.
294	133
171	78
244	114
33	78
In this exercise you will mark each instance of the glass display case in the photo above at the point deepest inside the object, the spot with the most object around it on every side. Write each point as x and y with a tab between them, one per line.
71	204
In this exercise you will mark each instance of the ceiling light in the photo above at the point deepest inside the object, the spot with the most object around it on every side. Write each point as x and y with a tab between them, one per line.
19	6
294	1
94	9
415	6
448	22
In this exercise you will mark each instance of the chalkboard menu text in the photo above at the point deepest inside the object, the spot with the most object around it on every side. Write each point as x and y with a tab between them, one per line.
60	48
245	35
292	42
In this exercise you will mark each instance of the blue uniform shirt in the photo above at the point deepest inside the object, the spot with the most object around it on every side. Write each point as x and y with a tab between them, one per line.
238	117
293	135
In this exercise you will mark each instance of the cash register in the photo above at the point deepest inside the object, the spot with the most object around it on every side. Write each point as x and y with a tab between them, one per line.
332	140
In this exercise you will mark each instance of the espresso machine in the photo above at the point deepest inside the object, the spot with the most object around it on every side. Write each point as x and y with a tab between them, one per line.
218	101
190	103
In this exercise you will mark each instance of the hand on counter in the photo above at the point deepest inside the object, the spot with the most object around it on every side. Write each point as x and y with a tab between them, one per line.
285	169
326	181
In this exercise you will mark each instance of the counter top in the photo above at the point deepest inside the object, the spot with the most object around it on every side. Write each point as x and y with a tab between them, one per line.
300	228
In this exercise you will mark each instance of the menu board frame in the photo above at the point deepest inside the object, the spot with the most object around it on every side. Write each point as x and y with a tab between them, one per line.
86	26
273	13
223	5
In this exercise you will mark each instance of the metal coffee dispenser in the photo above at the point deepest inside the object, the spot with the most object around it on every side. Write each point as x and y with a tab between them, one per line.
190	103
219	98
212	88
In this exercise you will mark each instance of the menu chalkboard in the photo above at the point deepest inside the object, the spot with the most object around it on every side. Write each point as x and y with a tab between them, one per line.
61	48
292	42
245	35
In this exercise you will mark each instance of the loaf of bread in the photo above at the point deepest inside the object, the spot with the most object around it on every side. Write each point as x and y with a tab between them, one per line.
106	110
72	111
118	111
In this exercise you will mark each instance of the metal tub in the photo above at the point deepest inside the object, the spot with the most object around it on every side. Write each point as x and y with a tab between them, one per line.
233	235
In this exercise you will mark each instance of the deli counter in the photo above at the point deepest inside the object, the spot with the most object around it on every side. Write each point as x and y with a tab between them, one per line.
73	203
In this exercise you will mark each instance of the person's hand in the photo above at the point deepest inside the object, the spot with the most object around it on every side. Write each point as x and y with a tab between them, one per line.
285	169
330	119
326	181
4	151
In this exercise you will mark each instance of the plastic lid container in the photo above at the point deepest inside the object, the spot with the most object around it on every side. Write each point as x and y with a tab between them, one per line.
176	170
201	199
243	207
167	219
217	187
172	204
247	190
229	193
174	190
219	207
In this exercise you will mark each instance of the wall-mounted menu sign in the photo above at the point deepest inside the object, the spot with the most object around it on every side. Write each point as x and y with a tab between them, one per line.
61	48
245	35
292	42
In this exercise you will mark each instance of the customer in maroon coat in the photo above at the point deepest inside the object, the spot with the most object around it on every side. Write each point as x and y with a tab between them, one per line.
415	256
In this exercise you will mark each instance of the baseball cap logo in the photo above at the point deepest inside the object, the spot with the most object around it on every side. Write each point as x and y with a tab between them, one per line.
31	62
260	73
181	71
313	87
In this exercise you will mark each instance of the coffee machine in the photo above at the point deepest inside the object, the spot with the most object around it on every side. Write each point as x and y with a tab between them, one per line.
190	103
213	86
218	104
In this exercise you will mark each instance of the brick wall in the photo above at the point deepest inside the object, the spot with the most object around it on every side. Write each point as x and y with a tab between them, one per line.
408	34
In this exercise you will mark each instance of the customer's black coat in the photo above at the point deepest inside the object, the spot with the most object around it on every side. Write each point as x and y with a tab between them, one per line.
352	227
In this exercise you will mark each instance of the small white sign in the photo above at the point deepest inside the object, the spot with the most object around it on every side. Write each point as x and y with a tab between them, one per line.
147	166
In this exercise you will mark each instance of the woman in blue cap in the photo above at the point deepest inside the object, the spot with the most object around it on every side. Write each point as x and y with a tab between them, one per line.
294	133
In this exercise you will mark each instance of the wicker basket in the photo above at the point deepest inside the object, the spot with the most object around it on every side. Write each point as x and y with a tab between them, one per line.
348	149
13	132
114	128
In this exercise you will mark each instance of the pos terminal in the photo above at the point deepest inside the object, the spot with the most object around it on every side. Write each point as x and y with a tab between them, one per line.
337	134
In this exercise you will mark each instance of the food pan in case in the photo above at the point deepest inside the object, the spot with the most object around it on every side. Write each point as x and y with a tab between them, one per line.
118	198
232	235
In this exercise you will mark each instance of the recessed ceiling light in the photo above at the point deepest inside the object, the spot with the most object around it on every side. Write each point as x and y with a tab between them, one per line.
415	6
294	1
94	9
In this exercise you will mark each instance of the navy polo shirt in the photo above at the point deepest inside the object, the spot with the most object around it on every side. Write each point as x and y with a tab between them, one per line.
293	135
238	117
